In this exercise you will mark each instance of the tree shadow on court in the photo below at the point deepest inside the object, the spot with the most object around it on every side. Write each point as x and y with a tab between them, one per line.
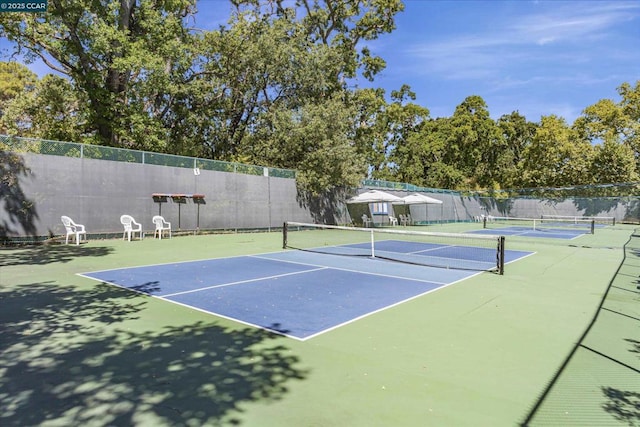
94	357
47	254
20	212
623	405
635	346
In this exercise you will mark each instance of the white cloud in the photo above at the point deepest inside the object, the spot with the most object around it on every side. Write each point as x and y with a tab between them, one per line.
574	22
559	37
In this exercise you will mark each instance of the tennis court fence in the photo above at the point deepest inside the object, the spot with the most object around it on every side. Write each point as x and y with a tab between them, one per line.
99	152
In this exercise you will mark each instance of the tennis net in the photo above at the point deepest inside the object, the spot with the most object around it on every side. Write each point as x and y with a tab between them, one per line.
608	220
585	226
446	250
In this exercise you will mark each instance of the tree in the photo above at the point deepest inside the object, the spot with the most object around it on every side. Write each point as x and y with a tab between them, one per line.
344	24
270	56
50	110
613	163
273	68
125	58
424	159
517	134
15	79
612	129
384	127
556	156
475	143
317	141
260	63
630	105
371	133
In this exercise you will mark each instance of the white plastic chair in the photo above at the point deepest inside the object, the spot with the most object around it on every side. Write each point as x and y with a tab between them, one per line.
131	227
365	220
393	220
161	226
73	230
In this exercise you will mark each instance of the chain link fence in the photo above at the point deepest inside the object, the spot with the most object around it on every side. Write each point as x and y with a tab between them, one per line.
98	152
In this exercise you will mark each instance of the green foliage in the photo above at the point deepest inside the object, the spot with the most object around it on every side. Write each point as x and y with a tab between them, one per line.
383	128
124	58
15	79
556	156
269	87
48	109
517	134
316	140
613	162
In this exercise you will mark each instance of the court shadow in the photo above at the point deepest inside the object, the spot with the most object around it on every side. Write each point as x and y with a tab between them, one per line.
148	288
103	357
635	346
623	405
20	213
47	254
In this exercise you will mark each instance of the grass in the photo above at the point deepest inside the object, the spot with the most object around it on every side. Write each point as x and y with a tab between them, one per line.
478	353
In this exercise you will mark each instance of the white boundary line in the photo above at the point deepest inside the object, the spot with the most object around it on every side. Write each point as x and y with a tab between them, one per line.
439	285
351	270
437	288
240	282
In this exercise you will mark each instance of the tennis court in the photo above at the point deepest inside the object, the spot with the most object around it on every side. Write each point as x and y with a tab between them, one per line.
545	228
300	294
452	348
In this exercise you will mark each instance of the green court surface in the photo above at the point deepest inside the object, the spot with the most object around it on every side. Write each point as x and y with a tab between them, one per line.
481	352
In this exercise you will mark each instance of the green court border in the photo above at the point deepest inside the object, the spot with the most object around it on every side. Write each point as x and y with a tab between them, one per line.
478	353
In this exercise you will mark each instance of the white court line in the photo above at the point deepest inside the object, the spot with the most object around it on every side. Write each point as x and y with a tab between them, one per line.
438	285
381	309
351	270
275	276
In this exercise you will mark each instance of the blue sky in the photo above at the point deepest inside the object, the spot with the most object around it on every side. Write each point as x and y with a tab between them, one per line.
536	57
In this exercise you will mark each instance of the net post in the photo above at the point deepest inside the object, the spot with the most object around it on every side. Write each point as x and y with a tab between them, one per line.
284	235
614	221
593	226
484	221
501	242
373	251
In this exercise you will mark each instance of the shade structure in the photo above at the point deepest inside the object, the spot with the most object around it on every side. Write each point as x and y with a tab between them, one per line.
375	196
417	198
410	204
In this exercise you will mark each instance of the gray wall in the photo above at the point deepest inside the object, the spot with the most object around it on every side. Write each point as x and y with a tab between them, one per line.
96	192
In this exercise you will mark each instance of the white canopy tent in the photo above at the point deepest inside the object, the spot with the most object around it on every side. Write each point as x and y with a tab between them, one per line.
375	196
417	199
371	197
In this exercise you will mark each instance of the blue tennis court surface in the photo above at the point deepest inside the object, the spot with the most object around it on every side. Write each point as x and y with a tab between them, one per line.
546	233
294	293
